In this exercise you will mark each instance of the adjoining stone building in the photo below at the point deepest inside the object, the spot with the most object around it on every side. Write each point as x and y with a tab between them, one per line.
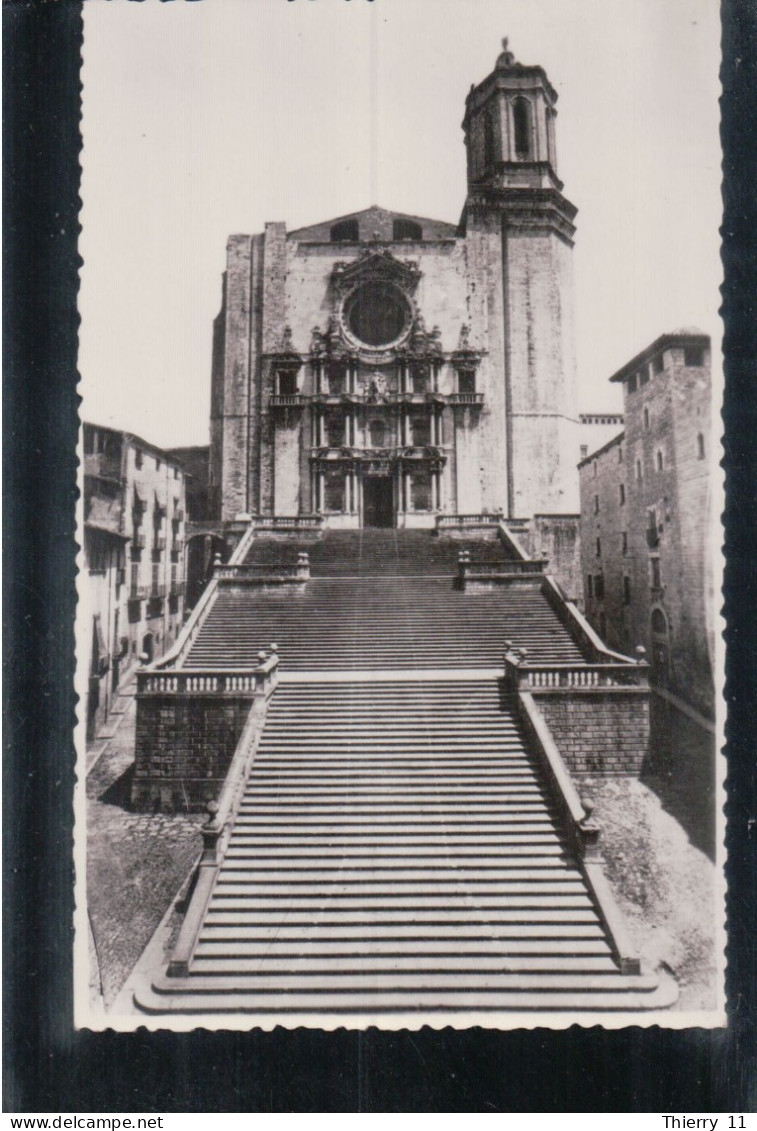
133	549
646	518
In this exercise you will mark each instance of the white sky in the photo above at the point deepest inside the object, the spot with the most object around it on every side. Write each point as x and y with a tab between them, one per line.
207	118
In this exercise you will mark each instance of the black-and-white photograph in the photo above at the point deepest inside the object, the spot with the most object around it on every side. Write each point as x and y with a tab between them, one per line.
398	645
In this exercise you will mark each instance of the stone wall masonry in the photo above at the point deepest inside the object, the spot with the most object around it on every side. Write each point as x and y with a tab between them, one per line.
541	367
485	308
236	375
558	539
184	745
287	462
599	733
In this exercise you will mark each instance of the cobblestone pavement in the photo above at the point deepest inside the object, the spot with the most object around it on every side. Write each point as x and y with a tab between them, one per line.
136	862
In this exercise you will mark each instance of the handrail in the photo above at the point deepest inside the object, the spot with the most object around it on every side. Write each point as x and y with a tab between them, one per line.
578	626
201	610
582	832
216	833
512	542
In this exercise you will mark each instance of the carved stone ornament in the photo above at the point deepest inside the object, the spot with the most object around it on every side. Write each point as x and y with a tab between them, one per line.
375	264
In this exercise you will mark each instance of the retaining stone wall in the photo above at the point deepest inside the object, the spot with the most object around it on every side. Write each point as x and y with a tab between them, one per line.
597	733
184	745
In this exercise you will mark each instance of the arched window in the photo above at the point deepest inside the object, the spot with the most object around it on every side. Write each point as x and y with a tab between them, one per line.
660	461
345	230
522	128
659	623
491	149
646	417
406	230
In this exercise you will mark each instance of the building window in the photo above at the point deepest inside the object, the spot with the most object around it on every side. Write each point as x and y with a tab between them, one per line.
599	586
420	431
659	363
286	382
693	356
522	128
176	473
596	502
658	622
700	445
377	432
594	469
644	375
638	469
420	491
138	458
334	430
584	451
333	489
655	579
406	230
589	585
620	453
466	381
631	384
599	547
626	589
660	461
646	418
158	462
653	536
622	494
345	230
624	542
490	138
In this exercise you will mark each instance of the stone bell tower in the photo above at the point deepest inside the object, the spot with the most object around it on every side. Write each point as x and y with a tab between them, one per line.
519	231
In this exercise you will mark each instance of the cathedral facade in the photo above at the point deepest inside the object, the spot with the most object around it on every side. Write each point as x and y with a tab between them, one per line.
381	369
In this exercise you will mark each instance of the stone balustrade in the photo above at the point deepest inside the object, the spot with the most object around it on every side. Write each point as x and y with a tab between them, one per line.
444	521
246	573
524	676
287	522
485	575
260	681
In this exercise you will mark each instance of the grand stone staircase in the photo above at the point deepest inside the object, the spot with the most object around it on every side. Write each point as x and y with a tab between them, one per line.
397	850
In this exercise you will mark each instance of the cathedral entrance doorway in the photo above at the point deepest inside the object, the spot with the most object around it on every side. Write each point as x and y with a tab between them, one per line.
378	502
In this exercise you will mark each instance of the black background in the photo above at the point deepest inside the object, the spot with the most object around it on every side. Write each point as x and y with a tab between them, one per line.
48	1066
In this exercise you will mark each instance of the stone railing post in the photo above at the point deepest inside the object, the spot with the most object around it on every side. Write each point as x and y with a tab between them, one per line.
588	833
211	832
303	565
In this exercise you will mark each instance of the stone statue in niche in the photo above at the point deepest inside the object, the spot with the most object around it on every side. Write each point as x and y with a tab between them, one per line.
376	384
317	341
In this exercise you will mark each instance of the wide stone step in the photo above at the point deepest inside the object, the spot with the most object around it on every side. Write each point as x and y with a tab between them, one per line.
456	982
569	917
401	947
532	936
330	1008
338	972
357	855
369	824
336	886
398	845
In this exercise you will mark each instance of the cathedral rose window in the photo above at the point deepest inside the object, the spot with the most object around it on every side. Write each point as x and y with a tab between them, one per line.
377	313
